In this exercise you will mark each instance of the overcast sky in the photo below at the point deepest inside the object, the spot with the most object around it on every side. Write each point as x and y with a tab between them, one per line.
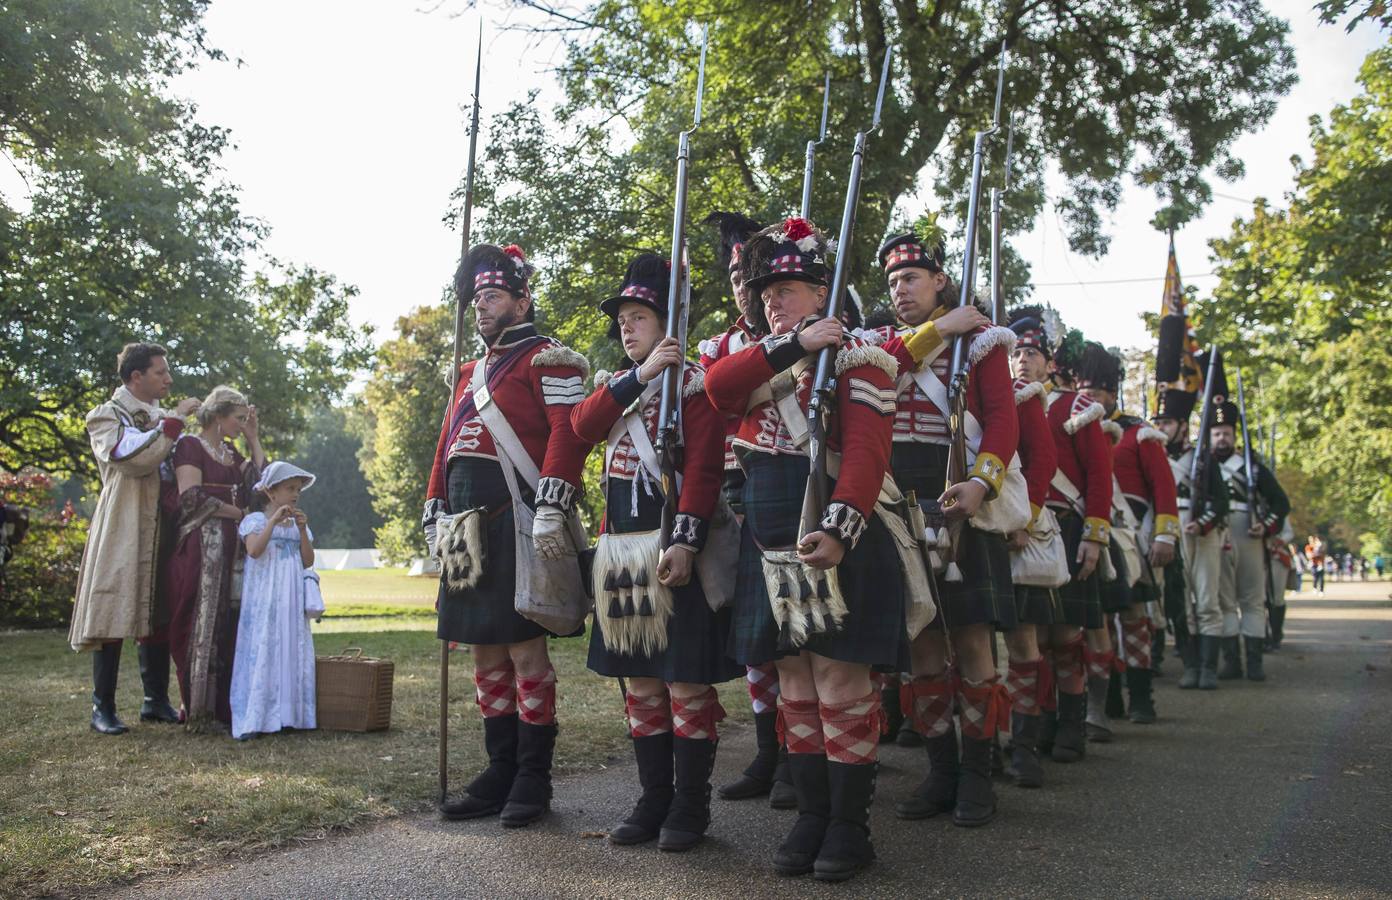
350	136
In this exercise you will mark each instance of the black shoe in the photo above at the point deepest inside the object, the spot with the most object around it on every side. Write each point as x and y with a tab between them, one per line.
846	849
908	737
1048	730
689	816
530	797
782	795
1277	617
1157	651
106	664
976	799
1070	743
938	792
1255	670
654	755
1232	659
893	712
1138	684
154	676
1209	646
487	793
1116	700
1024	754
997	760
758	776
798	852
1190	654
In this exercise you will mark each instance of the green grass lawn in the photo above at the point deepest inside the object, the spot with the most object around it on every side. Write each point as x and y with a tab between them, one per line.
80	810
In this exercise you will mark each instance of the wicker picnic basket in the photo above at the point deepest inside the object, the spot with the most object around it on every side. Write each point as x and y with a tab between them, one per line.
354	692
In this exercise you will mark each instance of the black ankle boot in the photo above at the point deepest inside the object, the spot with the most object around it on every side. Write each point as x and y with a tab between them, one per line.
654	755
1232	659
893	712
1209	645
783	795
1024	752
487	793
798	852
976	799
1138	684
1048	730
1116	699
847	848
938	792
1277	617
530	797
689	816
106	663
908	737
1190	653
1255	670
1157	651
757	779
1070	743
154	676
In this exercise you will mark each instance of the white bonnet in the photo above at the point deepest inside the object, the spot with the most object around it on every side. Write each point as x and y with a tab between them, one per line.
279	471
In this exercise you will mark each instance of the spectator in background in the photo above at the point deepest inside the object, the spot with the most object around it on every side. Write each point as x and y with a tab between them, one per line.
1314	553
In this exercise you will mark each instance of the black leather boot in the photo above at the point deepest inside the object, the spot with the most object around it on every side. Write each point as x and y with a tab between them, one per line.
938	792
847	848
154	676
106	663
1138	684
1232	659
1277	617
757	779
908	737
654	755
689	816
1048	730
1209	645
893	712
976	799
783	795
798	852
1024	750
1098	727
1070	743
1157	651
1255	671
1116	700
487	793
1189	651
530	797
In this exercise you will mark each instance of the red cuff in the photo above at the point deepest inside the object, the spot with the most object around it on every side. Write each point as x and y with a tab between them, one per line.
172	427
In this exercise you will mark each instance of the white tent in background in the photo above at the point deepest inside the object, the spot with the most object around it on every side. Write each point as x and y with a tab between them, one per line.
341	560
422	567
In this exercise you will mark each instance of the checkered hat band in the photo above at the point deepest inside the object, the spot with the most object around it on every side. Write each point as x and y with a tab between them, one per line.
496	278
1032	338
902	254
783	265
642	293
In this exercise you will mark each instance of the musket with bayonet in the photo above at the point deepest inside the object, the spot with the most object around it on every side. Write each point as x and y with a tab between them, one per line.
958	374
811	164
1203	457
678	304
459	304
998	316
1256	512
823	385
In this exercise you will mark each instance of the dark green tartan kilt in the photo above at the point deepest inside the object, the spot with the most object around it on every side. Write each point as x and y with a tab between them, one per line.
484	613
1079	601
1117	594
1036	605
696	637
873	633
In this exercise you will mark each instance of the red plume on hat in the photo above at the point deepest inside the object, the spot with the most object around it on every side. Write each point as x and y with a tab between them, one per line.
795	228
515	252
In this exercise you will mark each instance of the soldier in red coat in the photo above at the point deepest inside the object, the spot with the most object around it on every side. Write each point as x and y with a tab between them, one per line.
653	624
767	774
818	589
980	596
1080	494
533	381
1143	476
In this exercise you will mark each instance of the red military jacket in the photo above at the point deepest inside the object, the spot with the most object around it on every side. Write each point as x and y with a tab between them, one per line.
1038	455
1085	458
736	338
740	385
535	381
919	420
702	434
1142	469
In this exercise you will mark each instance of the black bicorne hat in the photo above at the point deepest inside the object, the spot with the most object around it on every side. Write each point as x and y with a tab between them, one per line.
1224	411
794	250
1098	368
735	231
647	282
1028	324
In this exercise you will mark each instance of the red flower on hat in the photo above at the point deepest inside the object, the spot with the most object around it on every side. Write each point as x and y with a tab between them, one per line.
515	252
795	228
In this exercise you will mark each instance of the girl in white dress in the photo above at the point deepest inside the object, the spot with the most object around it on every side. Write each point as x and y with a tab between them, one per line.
273	671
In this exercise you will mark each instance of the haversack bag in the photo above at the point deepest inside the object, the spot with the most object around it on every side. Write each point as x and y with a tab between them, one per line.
1043	562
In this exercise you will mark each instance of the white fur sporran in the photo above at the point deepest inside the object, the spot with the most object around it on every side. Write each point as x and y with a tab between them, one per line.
805	601
632	607
462	544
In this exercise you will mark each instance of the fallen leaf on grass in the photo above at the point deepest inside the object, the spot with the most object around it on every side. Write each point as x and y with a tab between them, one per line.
253	782
594	834
198	820
60	813
385	758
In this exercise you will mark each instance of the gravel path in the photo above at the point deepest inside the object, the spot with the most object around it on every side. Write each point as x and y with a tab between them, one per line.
1280	789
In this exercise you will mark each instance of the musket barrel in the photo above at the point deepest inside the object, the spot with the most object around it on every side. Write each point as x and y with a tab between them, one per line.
806	208
959	346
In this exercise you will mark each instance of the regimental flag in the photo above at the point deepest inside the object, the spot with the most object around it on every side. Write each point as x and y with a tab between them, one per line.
1190	376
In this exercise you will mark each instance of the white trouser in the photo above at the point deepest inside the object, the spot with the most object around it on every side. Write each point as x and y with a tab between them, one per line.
1243	592
1203	565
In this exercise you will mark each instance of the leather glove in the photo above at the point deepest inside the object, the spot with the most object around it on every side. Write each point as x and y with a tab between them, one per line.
549	533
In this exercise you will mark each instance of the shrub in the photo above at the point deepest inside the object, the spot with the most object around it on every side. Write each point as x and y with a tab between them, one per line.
38	585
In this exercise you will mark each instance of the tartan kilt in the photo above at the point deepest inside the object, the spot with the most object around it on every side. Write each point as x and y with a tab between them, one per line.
484	613
1037	606
696	637
1117	594
873	633
1079	601
1176	600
